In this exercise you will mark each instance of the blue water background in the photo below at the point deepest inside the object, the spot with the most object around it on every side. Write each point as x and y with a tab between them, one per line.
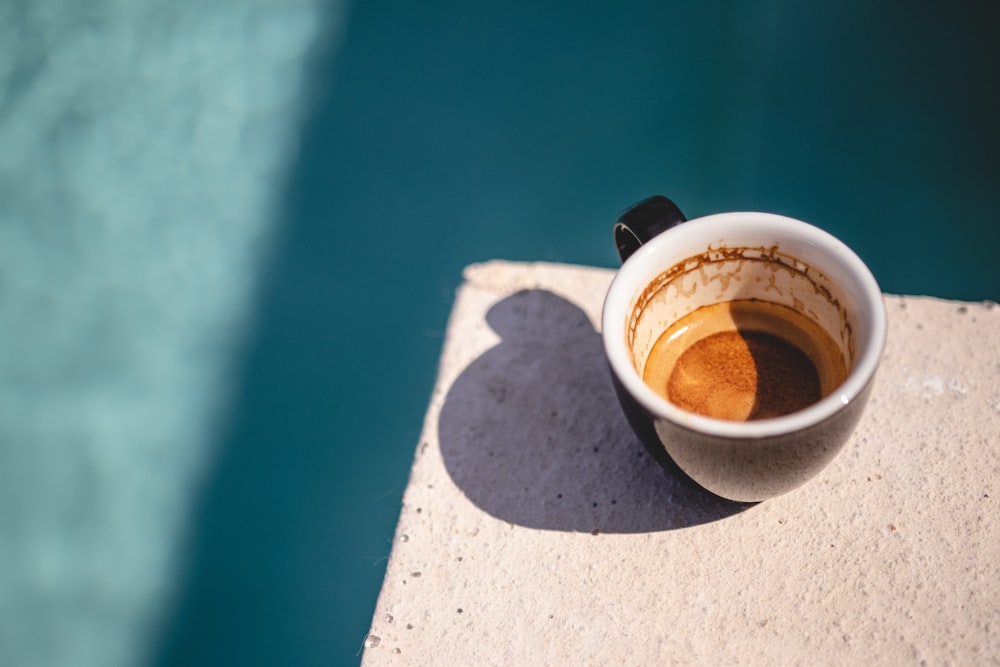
230	235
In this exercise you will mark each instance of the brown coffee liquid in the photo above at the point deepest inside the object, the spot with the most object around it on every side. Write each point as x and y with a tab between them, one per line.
744	360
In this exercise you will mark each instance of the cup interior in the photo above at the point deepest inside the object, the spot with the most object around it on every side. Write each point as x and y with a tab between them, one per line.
740	256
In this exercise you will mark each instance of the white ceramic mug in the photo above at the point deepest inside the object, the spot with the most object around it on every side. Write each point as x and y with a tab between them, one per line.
672	267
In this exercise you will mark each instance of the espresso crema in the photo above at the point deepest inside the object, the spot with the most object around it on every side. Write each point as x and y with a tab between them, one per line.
744	360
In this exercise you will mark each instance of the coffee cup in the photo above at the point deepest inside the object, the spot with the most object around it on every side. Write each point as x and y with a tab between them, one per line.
743	346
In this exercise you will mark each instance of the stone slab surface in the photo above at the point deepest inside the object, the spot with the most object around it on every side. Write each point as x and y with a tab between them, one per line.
535	530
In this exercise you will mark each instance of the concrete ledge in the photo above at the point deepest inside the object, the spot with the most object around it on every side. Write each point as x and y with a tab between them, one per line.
535	529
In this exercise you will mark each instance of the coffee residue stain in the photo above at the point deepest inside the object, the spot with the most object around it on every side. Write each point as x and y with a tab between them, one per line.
771	255
772	282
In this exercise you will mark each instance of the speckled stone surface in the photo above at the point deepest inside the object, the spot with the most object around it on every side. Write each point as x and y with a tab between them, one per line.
536	530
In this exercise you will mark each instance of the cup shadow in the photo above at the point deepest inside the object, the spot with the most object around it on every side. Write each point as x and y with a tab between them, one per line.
532	432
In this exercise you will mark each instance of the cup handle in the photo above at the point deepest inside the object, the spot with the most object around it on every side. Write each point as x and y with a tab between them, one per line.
643	221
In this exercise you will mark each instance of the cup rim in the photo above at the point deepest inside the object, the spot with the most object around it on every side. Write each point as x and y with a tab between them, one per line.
632	277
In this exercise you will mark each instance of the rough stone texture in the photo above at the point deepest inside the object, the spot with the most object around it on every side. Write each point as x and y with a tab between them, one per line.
535	529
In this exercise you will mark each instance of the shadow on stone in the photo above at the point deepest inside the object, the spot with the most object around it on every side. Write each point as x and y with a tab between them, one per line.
532	432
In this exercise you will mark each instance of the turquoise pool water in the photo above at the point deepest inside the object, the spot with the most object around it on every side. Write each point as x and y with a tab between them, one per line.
230	236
